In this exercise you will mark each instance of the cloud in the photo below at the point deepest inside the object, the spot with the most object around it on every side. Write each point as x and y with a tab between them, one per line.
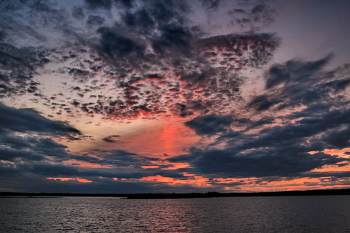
297	83
116	46
252	15
211	4
148	39
2	35
17	69
252	50
11	155
45	158
174	38
111	138
202	86
210	124
294	71
25	136
35	147
93	4
263	102
289	143
28	121
122	60
292	161
95	20
338	138
123	158
30	155
103	185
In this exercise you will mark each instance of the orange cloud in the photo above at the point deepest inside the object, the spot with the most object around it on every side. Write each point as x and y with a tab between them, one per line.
85	164
229	180
253	184
172	166
333	168
334	152
196	180
67	179
148	167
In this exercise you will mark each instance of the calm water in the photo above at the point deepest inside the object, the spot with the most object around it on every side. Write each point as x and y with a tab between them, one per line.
231	214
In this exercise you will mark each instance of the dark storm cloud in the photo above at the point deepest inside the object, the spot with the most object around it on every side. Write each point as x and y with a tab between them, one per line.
17	69
103	185
160	23
36	148
111	138
140	20
117	46
27	121
283	150
283	160
41	157
107	4
174	38
9	154
263	102
95	20
163	25
298	83
57	170
30	28
6	171
47	146
125	3
124	159
11	26
294	71
338	138
210	124
258	163
78	13
148	38
127	164
124	165
93	4
262	122
12	57
14	142
308	128
121	165
2	35
33	143
52	169
211	4
338	85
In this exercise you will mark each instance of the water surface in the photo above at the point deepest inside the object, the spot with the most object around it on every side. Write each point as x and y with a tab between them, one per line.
225	214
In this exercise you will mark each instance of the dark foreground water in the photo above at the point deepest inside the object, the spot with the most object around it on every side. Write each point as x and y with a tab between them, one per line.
227	214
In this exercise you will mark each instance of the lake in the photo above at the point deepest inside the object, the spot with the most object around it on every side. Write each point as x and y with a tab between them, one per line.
224	214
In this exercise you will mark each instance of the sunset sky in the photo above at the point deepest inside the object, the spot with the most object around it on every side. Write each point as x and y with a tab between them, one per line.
124	96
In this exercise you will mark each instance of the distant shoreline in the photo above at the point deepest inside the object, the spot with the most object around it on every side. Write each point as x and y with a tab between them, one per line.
180	195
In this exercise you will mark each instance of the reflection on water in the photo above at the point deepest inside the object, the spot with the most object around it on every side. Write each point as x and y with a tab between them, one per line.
230	214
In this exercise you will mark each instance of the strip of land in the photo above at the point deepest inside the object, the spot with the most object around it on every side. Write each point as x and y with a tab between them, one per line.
181	195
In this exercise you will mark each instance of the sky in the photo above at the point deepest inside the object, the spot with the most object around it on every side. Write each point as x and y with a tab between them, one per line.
140	96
